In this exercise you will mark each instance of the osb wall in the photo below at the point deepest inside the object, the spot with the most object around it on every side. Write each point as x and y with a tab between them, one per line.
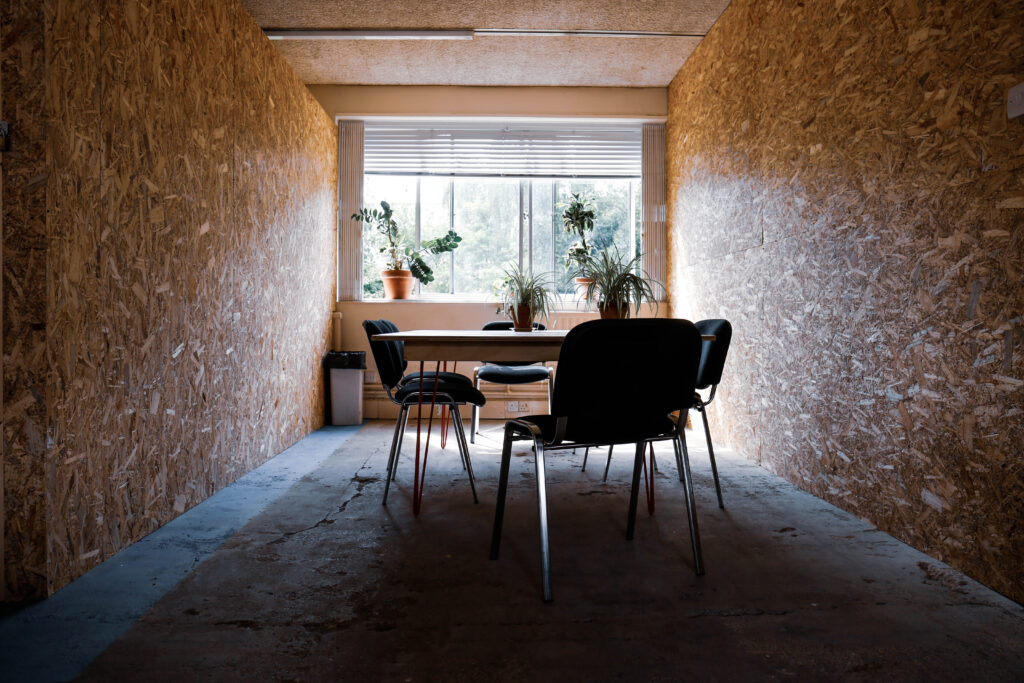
845	188
24	300
191	184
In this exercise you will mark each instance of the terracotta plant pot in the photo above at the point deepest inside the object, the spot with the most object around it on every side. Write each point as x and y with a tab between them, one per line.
613	310
397	283
522	319
581	286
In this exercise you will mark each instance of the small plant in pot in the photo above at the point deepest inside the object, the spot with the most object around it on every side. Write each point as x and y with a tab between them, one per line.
578	219
398	281
523	297
618	284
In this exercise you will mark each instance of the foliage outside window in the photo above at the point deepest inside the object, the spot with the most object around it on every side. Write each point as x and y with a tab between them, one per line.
500	221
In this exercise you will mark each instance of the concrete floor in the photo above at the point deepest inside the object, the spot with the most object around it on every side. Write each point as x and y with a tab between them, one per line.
327	584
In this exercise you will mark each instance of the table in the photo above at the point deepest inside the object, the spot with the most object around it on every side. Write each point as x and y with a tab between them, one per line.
443	345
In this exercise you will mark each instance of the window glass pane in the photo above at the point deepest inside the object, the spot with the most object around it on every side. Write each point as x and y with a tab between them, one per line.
612	217
435	220
637	213
544	229
487	219
400	193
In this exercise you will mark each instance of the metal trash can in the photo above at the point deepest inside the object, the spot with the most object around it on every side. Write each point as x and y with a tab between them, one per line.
344	376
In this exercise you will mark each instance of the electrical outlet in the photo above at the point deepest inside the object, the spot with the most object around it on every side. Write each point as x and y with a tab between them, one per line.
512	406
1015	101
524	406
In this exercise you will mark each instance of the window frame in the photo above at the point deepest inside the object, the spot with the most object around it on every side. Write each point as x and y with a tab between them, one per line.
649	201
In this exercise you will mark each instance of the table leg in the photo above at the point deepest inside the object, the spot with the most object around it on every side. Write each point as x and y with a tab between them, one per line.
418	492
416	461
649	480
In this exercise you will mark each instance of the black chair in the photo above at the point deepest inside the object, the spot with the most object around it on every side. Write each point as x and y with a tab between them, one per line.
619	381
507	372
445	389
709	374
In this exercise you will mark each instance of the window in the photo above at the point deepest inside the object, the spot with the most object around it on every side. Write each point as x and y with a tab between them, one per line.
501	222
502	187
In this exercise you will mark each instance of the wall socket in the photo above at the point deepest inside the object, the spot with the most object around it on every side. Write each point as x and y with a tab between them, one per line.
1015	101
517	406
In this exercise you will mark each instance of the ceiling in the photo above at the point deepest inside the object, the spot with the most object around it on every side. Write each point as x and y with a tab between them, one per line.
492	60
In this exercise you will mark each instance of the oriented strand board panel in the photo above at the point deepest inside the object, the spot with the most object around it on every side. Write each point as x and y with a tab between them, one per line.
191	243
492	60
844	186
24	300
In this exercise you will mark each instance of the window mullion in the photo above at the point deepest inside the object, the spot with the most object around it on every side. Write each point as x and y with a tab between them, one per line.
554	235
632	222
529	221
451	226
419	285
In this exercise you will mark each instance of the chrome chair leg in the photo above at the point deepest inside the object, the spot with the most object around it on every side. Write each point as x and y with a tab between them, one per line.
634	490
608	463
711	454
396	447
691	506
401	440
679	459
499	503
460	434
475	426
542	511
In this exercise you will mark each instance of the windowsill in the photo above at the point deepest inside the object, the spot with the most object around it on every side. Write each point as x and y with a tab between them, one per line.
561	307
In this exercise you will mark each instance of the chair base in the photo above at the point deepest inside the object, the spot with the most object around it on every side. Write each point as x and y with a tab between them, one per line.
518	431
396	447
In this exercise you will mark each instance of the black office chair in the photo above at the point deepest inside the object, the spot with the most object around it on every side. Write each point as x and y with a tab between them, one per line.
709	374
507	372
445	389
619	381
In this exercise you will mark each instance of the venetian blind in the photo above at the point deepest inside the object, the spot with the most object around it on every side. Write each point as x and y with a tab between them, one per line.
515	150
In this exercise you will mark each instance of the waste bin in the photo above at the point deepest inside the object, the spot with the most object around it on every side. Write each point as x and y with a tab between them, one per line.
344	375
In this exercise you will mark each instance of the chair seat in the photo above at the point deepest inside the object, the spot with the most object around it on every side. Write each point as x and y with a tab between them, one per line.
505	374
429	376
459	391
584	431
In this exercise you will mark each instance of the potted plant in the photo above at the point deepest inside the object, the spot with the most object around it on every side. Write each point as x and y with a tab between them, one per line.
578	219
524	297
398	281
616	286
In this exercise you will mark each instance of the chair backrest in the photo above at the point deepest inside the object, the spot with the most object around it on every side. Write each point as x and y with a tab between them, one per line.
508	325
619	379
712	355
388	355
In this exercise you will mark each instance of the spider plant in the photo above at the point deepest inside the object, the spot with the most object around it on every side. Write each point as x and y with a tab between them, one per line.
518	290
618	284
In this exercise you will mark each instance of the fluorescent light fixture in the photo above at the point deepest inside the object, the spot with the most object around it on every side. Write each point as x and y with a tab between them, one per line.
368	35
557	33
468	34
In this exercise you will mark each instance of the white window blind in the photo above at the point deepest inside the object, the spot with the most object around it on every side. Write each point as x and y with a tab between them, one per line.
515	150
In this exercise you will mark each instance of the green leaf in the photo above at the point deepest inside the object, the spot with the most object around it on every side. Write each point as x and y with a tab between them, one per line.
420	270
443	244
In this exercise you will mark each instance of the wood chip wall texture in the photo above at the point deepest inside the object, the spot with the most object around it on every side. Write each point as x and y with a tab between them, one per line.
845	187
24	300
190	244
